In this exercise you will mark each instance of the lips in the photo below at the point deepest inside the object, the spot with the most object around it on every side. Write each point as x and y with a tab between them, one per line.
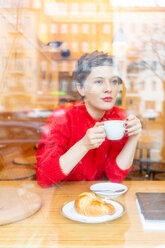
107	99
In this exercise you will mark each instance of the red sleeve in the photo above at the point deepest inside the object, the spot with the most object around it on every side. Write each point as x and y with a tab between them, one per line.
52	145
113	171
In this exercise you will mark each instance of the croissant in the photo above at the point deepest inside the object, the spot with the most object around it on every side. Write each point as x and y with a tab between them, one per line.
89	204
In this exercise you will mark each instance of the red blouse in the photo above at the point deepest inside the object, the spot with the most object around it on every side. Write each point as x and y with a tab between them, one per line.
65	127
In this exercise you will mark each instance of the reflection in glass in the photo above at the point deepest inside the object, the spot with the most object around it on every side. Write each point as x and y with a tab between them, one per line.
36	78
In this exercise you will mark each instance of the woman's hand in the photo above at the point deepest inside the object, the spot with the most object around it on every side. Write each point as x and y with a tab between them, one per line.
132	126
94	136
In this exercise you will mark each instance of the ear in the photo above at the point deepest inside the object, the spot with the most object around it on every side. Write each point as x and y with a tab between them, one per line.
80	89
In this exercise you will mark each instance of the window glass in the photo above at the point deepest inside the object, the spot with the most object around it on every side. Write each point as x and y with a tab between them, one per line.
67	68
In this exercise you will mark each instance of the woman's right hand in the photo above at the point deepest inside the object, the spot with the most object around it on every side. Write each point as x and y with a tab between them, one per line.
94	136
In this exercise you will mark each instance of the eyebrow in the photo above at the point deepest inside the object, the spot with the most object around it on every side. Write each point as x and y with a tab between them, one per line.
115	77
98	77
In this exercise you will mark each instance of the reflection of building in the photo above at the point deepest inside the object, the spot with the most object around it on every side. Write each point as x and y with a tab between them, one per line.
145	38
19	55
79	34
144	91
44	74
86	26
82	27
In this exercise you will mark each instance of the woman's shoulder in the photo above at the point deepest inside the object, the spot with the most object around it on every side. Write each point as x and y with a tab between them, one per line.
65	110
61	116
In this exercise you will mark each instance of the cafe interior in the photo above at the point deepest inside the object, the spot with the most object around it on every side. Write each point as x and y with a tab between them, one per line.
40	42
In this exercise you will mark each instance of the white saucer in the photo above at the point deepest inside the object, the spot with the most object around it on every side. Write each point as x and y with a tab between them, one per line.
69	211
108	186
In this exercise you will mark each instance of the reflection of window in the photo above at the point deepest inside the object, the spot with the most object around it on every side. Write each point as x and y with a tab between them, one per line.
50	80
29	85
53	28
88	8
43	28
64	28
54	66
28	64
18	65
74	88
43	82
64	65
62	8
43	75
93	28
65	45
102	8
54	9
150	104
75	46
74	8
75	28
63	85
73	64
85	28
85	46
43	65
106	29
93	46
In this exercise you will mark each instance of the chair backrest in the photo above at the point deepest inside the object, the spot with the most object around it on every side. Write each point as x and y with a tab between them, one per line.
147	142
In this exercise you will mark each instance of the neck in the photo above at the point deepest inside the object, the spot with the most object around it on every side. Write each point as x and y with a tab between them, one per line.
95	113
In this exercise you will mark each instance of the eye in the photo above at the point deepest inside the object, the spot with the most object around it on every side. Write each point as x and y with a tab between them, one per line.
98	81
114	81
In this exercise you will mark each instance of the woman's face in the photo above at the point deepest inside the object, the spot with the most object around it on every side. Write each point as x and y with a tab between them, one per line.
100	90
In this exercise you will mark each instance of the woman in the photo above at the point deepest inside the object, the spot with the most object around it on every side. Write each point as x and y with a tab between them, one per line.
74	145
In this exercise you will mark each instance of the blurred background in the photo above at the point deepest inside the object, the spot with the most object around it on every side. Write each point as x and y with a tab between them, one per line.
40	42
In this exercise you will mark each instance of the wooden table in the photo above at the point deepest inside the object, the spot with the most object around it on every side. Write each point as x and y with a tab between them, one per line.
48	228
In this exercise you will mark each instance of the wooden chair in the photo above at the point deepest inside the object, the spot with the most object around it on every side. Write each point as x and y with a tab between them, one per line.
146	146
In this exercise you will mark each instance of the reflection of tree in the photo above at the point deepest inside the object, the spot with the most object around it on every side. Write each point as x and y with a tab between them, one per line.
152	52
151	56
151	49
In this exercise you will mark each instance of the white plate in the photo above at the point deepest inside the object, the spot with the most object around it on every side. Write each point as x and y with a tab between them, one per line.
69	211
108	186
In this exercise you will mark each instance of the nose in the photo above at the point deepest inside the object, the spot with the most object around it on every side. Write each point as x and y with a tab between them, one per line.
108	86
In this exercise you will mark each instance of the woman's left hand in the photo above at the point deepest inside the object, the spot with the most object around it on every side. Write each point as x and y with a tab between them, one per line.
132	126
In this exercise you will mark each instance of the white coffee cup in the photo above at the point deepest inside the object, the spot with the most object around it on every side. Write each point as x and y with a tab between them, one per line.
114	129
